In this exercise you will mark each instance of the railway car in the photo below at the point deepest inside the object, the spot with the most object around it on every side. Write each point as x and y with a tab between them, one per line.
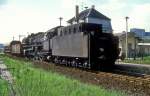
16	48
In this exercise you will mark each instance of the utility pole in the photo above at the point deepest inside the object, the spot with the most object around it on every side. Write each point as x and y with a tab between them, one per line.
60	19
126	36
21	36
28	33
13	38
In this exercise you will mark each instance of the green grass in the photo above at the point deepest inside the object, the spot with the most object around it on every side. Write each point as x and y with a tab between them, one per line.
4	91
144	60
3	88
30	81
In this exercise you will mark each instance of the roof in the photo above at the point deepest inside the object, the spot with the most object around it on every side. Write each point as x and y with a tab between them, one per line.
51	30
147	33
123	34
129	34
89	13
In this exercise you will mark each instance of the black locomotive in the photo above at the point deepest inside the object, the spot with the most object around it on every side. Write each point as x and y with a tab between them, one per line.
79	45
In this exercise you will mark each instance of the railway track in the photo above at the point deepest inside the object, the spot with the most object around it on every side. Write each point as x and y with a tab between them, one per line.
135	74
132	70
120	70
131	82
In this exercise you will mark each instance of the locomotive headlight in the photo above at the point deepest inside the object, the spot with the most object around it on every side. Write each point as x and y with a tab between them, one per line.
101	49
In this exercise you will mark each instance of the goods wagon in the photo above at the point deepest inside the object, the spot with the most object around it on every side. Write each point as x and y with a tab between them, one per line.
16	48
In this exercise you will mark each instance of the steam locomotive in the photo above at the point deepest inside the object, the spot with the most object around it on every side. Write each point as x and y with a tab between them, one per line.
79	45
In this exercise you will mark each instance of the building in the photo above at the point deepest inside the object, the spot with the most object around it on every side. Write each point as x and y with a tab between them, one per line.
141	33
144	49
138	32
91	15
147	37
144	44
1	48
138	42
133	48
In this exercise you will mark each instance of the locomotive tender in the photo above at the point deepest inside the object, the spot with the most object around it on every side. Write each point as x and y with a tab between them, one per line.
15	48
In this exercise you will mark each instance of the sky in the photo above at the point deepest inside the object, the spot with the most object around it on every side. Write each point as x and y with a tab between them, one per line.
22	17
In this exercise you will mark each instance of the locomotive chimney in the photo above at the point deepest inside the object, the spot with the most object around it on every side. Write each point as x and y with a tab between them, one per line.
77	14
93	6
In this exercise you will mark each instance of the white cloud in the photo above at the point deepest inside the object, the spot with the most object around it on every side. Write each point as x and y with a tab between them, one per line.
15	21
117	10
140	16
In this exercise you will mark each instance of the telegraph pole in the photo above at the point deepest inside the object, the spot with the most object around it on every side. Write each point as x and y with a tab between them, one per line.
21	36
60	19
126	36
28	33
13	38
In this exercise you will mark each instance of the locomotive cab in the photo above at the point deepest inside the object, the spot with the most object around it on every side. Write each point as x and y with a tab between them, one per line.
103	50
